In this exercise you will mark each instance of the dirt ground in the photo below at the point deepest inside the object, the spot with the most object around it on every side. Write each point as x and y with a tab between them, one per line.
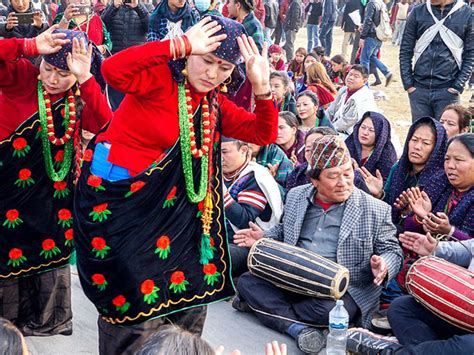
396	107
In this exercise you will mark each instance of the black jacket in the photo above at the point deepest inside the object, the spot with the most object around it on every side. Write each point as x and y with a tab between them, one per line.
437	68
314	11
294	16
127	26
347	24
371	20
20	31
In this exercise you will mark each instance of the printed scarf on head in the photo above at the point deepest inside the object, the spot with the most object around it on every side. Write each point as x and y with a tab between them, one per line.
383	155
432	178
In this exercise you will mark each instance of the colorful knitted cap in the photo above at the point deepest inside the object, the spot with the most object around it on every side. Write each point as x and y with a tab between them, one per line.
275	48
329	152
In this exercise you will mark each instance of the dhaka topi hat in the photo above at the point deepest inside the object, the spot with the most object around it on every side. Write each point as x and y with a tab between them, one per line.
328	152
275	48
59	59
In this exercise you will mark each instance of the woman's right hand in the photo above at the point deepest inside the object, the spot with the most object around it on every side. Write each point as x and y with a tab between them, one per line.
12	21
202	36
374	183
419	202
49	42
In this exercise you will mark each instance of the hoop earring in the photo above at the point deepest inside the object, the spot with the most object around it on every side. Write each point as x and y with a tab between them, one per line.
223	88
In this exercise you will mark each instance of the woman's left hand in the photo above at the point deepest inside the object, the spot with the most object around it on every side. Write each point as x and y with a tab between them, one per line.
437	224
258	68
79	61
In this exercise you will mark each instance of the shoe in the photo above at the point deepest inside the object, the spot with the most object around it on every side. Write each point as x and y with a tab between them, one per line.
311	340
376	83
388	79
362	341
240	305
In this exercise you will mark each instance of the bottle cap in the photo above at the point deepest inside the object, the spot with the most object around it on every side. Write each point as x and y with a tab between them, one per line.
339	303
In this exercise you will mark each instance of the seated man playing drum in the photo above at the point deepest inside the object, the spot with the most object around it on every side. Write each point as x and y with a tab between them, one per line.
337	221
251	195
419	330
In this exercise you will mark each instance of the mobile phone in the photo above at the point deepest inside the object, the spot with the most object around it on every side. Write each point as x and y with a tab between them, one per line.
25	18
83	9
127	1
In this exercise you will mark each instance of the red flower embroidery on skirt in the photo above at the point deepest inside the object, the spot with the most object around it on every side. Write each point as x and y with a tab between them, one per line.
65	218
12	219
163	246
99	281
121	304
149	290
61	189
134	187
170	198
100	212
16	257
24	178
210	274
20	147
100	247
69	235
88	153
95	182
178	282
49	249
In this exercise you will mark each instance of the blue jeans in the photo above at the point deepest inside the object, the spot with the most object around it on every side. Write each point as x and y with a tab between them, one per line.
426	102
313	40
420	331
325	36
105	169
369	54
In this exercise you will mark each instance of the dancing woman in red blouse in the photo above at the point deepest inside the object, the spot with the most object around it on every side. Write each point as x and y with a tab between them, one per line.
151	240
42	111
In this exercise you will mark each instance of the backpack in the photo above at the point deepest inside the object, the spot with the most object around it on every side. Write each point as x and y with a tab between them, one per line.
383	30
271	13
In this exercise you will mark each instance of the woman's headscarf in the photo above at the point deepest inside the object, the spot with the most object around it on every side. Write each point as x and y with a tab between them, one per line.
228	51
58	59
383	155
432	178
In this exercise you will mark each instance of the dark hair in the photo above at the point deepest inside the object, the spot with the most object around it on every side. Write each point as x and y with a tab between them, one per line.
421	123
311	54
173	340
339	59
361	69
289	118
467	139
319	50
10	338
301	51
248	5
282	75
311	95
464	114
325	131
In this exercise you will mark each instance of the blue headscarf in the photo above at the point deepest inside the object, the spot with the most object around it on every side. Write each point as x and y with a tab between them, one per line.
432	178
228	51
58	59
384	155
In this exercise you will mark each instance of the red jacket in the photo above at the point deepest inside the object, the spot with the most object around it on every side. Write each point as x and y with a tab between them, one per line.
19	95
146	123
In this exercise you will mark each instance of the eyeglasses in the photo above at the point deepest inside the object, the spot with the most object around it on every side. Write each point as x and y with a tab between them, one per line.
367	128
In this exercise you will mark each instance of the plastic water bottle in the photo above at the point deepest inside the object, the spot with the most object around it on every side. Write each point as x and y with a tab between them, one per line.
338	324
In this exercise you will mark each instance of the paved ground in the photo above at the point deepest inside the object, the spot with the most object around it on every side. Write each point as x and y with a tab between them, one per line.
224	326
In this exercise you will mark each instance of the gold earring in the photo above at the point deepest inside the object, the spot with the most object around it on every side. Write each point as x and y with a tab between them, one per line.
39	77
184	72
224	85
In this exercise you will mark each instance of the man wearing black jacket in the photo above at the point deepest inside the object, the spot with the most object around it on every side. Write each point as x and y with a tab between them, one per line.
433	69
293	21
128	26
313	10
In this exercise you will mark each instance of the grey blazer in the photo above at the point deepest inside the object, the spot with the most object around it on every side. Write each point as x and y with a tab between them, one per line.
366	229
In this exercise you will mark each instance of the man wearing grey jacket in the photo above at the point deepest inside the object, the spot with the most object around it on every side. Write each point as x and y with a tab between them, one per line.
339	222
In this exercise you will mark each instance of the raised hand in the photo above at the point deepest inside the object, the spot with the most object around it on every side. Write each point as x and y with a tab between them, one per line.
49	42
258	68
374	183
273	169
79	61
12	21
247	237
419	202
379	269
202	36
419	243
437	224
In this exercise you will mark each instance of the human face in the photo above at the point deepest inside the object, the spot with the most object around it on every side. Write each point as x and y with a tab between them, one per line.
305	108
206	72
20	5
459	165
286	134
299	58
232	157
450	121
80	2
308	61
175	5
275	57
336	68
367	133
308	145
55	80
355	80
335	185
278	89
420	147
233	8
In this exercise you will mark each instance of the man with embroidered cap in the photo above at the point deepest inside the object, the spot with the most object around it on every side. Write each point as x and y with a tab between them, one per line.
338	221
